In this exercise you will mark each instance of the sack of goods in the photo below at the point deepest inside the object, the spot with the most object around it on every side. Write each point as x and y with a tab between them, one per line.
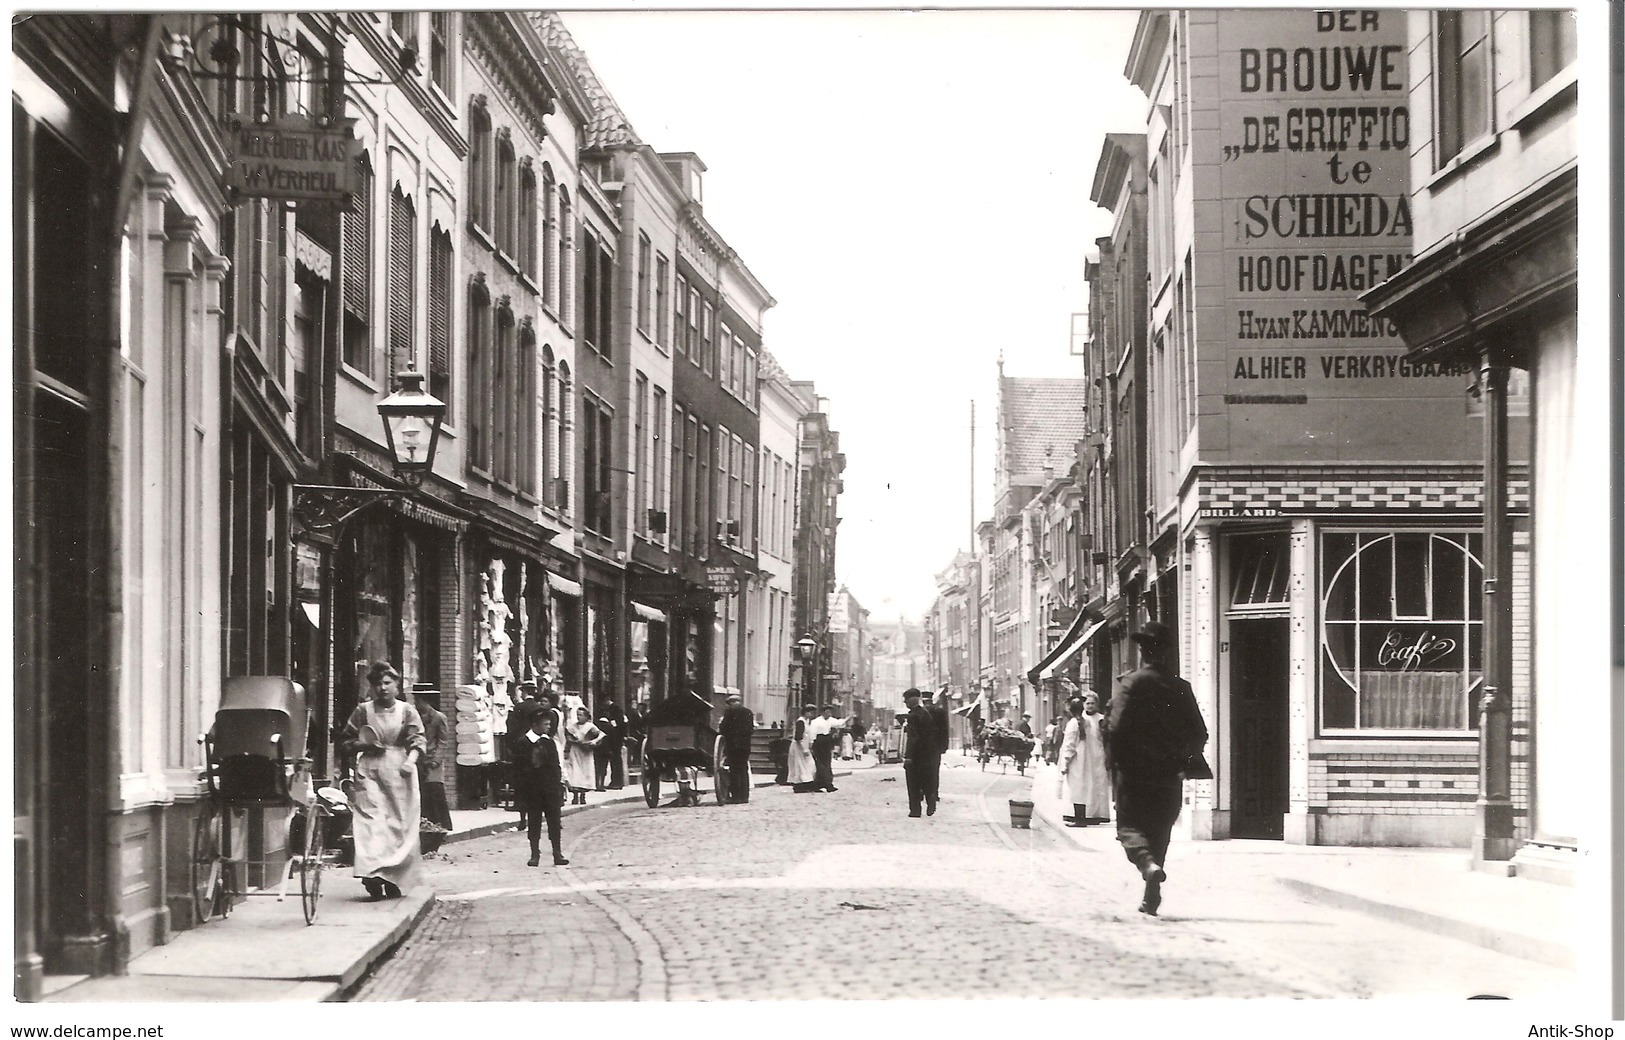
476	734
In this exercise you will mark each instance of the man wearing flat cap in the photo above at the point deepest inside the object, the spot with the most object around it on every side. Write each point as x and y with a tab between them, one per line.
737	725
1155	729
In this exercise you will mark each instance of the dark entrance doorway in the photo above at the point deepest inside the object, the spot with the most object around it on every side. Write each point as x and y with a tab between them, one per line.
1259	660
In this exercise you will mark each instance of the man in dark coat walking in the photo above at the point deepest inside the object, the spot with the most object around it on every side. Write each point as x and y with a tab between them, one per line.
920	758
737	725
1155	729
611	723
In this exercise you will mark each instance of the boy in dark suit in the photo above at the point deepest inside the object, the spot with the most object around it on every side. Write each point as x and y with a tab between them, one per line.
539	784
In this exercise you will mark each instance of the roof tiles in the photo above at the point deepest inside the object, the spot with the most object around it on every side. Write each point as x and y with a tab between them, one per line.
1039	414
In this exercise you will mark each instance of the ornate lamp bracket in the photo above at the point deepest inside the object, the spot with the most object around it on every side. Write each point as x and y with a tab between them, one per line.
322	510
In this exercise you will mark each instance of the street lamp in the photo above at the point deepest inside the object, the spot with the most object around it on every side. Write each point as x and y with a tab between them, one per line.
806	647
412	421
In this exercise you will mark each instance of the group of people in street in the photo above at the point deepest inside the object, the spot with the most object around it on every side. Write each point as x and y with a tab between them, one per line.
810	765
1136	758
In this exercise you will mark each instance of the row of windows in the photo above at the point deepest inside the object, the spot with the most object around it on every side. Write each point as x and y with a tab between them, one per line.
1464	58
535	234
709	344
779	504
505	439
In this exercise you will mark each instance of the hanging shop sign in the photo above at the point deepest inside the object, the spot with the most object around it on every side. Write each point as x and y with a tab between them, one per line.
291	157
723	579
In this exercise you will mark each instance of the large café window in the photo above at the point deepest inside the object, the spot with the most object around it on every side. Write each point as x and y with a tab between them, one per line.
1401	632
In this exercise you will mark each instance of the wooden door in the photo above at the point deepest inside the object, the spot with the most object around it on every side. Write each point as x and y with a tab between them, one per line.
1259	656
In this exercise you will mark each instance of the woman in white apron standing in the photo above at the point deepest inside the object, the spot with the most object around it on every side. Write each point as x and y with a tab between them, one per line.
386	735
799	774
1083	761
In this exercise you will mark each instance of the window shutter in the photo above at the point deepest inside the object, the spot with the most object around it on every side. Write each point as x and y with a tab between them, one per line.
400	282
358	244
440	316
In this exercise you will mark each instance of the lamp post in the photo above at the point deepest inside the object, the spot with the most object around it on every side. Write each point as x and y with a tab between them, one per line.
412	421
806	649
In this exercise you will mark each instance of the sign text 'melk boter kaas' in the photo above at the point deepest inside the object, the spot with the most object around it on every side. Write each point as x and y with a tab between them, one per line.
292	158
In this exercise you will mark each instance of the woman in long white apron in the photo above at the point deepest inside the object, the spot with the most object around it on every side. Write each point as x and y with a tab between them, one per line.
386	735
1083	761
581	737
799	771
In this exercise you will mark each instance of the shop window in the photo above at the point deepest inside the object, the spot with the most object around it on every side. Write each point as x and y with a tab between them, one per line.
1401	631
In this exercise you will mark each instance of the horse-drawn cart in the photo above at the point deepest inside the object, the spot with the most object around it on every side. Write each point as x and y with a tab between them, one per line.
680	745
1004	746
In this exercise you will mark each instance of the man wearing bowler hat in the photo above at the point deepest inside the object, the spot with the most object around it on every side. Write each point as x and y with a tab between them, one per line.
1155	728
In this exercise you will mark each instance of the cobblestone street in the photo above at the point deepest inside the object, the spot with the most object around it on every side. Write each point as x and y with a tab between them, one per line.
842	896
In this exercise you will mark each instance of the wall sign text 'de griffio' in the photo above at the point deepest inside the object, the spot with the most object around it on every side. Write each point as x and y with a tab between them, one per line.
1311	209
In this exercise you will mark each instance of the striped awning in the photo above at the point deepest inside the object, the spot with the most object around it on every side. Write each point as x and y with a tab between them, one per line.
1075	640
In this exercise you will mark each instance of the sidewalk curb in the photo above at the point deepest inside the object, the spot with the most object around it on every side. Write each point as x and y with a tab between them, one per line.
635	795
1513	944
486	829
1499	940
381	949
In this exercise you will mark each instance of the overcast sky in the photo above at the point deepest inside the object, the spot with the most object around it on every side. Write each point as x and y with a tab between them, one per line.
913	189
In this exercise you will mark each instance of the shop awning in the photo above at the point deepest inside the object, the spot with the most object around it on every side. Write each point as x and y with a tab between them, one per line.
1076	638
563	586
647	613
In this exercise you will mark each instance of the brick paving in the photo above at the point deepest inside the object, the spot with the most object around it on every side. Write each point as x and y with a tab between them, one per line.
842	896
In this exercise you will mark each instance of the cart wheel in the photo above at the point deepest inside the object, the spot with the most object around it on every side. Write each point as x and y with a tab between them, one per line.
719	773
651	781
211	873
310	863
